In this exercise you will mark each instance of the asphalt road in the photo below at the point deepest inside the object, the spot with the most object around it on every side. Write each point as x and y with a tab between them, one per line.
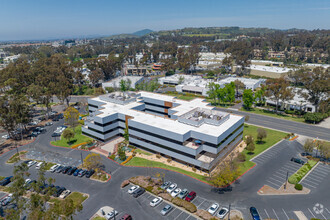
241	195
284	125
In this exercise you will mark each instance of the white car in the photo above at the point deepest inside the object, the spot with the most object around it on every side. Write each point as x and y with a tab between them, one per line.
27	181
53	168
5	136
213	208
223	212
38	166
111	215
175	192
171	187
31	163
6	200
156	201
133	189
65	193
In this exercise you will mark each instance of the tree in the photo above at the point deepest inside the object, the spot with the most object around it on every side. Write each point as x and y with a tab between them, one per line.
278	89
250	147
226	175
316	84
68	134
238	85
247	117
230	92
71	116
121	153
325	150
249	139
126	134
309	146
248	98
181	80
260	95
92	161
262	134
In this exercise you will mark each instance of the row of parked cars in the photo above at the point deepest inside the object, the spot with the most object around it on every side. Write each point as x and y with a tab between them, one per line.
59	130
58	168
58	191
6	200
174	191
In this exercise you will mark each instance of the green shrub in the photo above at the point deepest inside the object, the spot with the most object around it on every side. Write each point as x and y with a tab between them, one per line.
158	156
190	207
82	122
298	186
109	89
194	169
112	156
296	177
314	117
241	157
149	188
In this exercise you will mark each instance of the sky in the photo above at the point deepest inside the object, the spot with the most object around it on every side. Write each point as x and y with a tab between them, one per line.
49	19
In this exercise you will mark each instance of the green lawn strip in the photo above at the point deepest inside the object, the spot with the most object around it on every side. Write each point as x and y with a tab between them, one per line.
142	152
296	177
1	178
272	114
15	158
136	161
78	138
272	138
99	218
48	165
4	189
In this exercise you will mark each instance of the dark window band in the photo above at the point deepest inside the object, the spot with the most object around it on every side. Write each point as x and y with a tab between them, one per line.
160	106
94	106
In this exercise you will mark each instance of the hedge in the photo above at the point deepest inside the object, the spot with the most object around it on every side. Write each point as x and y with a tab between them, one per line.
190	207
77	145
296	177
298	186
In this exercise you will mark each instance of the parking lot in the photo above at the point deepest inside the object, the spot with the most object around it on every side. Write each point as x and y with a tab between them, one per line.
278	178
270	154
146	198
319	175
52	157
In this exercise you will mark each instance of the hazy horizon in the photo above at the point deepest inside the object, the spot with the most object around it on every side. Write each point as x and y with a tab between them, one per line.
43	20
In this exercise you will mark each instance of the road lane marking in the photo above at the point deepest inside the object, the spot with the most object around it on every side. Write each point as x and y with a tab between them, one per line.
267	213
285	214
275	214
311	212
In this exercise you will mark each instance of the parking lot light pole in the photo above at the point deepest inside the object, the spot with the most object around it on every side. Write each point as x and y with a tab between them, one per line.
82	161
286	181
229	212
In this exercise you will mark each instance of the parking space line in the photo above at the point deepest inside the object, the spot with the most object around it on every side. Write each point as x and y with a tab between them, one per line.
275	214
201	204
179	215
290	167
319	175
320	171
311	212
279	176
267	213
327	210
323	215
275	179
323	168
278	186
187	217
310	182
309	185
313	179
259	159
285	214
312	176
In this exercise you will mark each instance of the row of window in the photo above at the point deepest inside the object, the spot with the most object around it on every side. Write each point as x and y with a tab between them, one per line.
109	123
160	106
91	105
231	134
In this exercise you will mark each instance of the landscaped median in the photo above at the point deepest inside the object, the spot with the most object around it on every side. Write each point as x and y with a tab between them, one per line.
296	177
16	157
78	139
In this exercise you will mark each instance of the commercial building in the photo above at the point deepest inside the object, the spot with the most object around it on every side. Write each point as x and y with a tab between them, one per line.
191	132
115	83
177	79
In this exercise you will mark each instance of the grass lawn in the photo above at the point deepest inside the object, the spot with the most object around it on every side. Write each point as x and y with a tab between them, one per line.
136	161
15	158
78	138
49	165
77	197
142	152
271	114
296	177
272	138
99	218
2	177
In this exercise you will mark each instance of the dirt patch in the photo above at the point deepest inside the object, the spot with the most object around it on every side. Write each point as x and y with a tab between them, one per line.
267	190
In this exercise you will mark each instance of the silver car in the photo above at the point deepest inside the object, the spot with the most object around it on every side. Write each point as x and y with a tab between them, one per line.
183	194
166	209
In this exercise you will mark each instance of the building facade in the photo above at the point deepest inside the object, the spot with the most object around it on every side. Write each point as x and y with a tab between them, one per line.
191	132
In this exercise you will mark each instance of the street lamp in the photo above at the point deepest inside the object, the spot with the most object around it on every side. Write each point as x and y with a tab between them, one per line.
286	181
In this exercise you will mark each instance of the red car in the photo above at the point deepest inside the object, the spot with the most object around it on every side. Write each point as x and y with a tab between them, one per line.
190	196
126	217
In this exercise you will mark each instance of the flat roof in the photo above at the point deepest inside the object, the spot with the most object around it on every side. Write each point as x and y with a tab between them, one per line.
166	123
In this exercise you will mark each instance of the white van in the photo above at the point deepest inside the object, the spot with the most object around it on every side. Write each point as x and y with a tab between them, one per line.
38	166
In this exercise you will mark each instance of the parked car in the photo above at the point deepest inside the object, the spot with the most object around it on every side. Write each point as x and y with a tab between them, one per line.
26	161
72	170
82	173
126	217
223	212
133	189
165	185
297	160
28	185
59	169
6	136
48	123
254	213
166	209
65	193
66	169
183	194
55	134
111	215
6	181
76	172
54	168
138	192
38	166
304	154
190	196
171	187
89	173
58	191
156	201
27	181
175	192
213	208
6	200
31	163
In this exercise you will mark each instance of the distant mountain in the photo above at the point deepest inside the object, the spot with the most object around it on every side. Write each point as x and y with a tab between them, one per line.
142	32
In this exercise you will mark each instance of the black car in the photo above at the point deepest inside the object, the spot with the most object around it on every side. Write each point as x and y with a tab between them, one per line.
29	185
89	173
304	154
254	213
56	134
76	172
26	161
66	169
138	192
6	181
71	171
58	191
297	160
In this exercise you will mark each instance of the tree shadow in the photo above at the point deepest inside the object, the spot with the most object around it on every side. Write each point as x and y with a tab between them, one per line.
71	142
250	153
222	190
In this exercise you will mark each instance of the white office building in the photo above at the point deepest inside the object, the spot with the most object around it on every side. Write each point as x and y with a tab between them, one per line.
190	132
115	83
